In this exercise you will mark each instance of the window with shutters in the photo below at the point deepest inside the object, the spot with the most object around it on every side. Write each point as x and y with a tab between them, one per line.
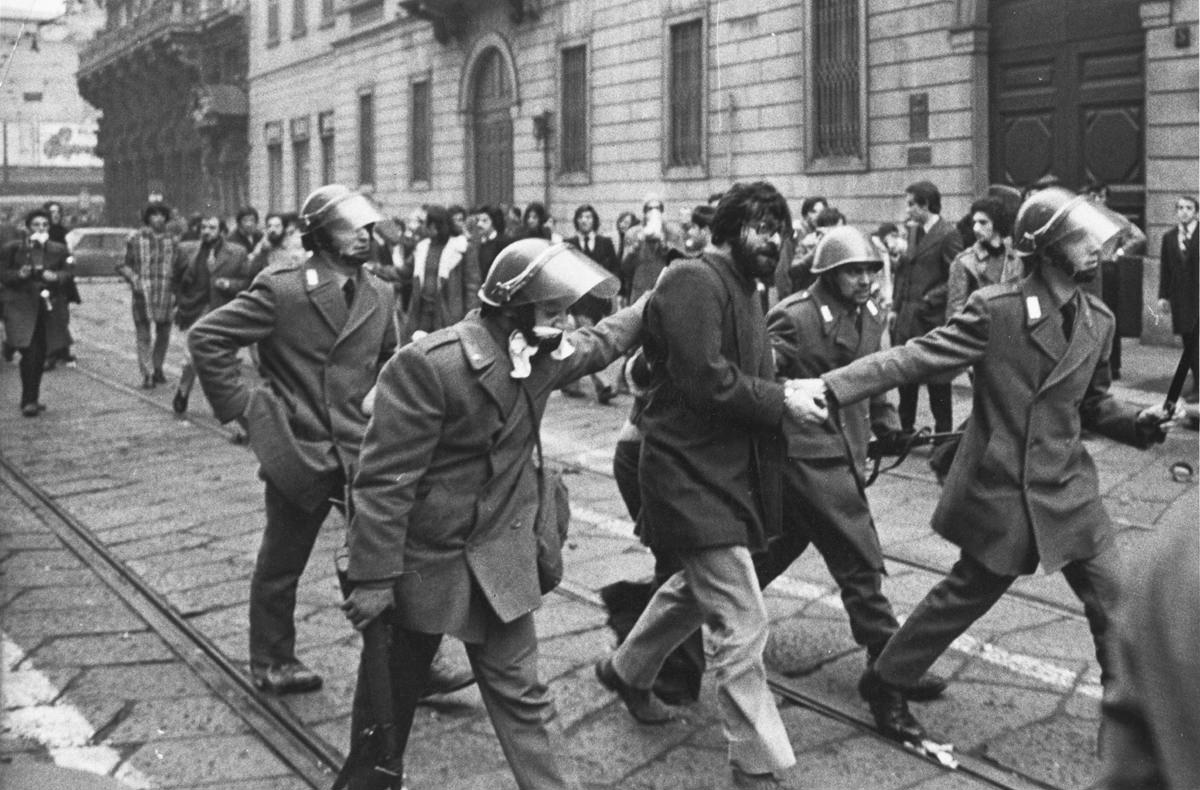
366	138
836	85
685	99
574	110
272	22
420	135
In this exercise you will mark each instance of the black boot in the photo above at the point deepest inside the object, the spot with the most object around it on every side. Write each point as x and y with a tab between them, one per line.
928	687
890	709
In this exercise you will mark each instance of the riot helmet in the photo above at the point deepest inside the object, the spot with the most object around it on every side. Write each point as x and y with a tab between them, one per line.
841	245
1074	231
332	216
535	271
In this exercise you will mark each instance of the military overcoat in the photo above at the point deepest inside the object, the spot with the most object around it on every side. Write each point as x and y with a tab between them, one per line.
446	493
320	358
1023	488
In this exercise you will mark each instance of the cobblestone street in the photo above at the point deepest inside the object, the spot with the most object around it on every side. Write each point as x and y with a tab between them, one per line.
179	506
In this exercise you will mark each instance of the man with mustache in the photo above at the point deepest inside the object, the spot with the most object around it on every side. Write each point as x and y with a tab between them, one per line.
832	323
710	476
324	328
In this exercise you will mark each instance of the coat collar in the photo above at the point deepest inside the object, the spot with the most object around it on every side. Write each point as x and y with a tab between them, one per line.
1043	321
837	317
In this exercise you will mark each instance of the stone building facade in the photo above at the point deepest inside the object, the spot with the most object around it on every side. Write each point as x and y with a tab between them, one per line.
604	101
170	78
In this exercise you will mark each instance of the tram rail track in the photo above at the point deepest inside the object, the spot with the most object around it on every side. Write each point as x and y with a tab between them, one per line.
986	772
309	756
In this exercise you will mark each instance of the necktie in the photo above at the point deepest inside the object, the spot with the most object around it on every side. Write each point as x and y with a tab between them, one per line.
1068	319
1184	238
587	245
920	233
348	292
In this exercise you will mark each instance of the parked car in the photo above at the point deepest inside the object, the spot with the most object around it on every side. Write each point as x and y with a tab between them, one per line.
97	251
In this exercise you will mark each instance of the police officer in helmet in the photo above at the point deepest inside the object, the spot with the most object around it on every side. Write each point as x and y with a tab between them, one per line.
446	494
1022	491
323	327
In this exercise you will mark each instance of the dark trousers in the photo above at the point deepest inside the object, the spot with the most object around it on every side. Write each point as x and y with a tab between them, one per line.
968	592
939	403
1191	352
287	542
518	703
33	359
824	505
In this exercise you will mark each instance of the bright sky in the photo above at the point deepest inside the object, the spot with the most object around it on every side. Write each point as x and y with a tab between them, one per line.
35	10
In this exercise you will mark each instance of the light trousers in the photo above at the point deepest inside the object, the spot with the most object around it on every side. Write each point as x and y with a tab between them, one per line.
717	588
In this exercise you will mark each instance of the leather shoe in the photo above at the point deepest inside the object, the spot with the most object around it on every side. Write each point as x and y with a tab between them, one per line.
147	382
928	687
30	410
160	377
641	703
890	709
290	678
605	394
445	677
180	402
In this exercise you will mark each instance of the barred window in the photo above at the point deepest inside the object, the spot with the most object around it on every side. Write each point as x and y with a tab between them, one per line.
420	147
328	162
366	138
302	170
685	95
275	176
574	109
836	86
272	21
299	18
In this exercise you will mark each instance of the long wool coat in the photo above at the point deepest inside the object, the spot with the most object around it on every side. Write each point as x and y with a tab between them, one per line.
712	455
1023	488
22	296
320	359
446	493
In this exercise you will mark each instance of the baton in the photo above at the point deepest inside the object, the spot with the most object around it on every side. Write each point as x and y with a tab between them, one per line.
1176	388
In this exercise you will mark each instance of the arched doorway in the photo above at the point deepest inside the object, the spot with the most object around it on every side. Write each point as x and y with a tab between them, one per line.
492	129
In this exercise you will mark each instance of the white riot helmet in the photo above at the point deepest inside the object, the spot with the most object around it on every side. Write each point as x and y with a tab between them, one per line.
336	213
1055	217
534	271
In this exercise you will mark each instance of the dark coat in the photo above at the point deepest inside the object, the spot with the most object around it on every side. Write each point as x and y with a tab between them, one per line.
205	285
457	287
23	295
320	359
645	257
604	253
488	250
1022	487
920	291
446	493
713	451
1179	279
813	332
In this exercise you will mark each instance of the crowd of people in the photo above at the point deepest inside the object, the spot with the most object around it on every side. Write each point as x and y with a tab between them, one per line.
406	366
